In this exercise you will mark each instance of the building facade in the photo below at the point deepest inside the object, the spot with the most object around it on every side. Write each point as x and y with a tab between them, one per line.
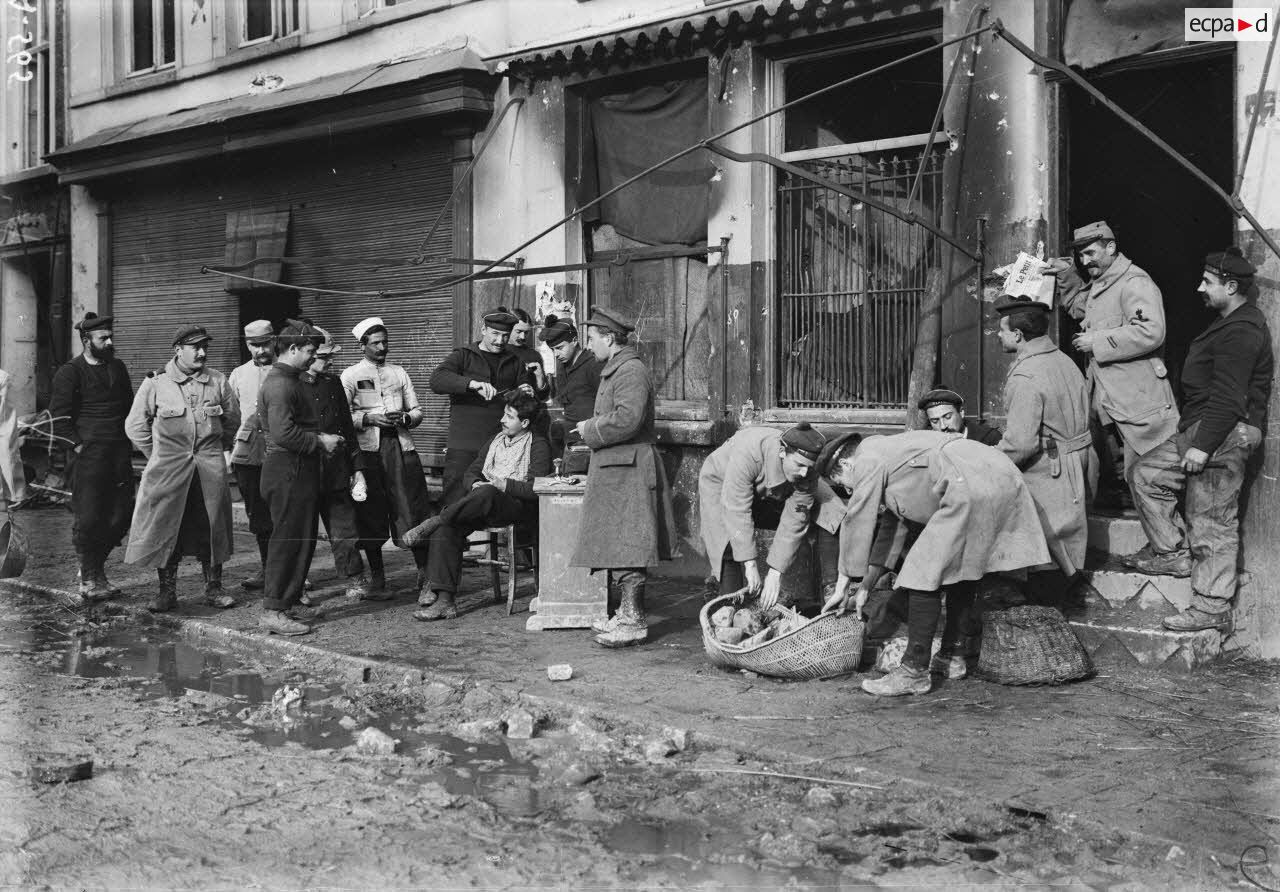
798	266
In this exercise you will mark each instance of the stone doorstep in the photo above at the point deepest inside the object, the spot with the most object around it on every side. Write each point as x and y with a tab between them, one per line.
1124	588
1115	534
1112	645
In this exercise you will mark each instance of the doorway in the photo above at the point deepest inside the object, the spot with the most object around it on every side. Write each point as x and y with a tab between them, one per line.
1165	219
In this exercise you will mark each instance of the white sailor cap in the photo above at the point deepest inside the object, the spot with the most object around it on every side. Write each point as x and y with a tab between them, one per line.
364	327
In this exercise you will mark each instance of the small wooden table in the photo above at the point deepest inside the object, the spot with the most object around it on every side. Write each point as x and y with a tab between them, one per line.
568	597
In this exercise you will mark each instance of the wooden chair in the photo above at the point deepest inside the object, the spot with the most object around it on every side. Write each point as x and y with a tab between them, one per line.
513	538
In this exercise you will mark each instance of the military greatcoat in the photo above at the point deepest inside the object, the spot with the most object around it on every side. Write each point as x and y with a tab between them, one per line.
182	423
1046	400
627	520
966	502
1127	377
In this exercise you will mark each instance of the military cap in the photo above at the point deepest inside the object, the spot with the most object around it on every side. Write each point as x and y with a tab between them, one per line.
368	326
556	331
500	320
939	397
259	332
1010	304
1230	264
802	438
611	319
834	447
190	334
328	346
93	322
1096	231
301	328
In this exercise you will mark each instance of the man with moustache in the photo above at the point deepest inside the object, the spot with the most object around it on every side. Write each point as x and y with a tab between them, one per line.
184	419
91	398
250	448
384	408
944	410
1122	323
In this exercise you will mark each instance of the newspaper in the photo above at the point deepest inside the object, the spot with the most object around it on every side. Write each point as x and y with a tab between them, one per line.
1025	278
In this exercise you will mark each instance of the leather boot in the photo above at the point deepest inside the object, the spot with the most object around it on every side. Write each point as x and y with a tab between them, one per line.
214	595
630	627
443	608
167	596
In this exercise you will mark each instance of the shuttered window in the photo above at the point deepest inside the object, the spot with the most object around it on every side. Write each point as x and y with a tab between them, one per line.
352	201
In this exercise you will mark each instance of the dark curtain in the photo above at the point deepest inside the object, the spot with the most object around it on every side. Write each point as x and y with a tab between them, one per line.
633	130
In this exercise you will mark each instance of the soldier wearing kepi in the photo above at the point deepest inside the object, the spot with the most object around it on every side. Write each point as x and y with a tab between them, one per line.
384	408
1122	333
291	475
340	472
251	446
1226	384
184	419
944	410
627	523
759	474
1046	405
91	398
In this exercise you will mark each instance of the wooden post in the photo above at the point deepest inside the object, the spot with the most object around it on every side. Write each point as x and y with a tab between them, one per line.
924	364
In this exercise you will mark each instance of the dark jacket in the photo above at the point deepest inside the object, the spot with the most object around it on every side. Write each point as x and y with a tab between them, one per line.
1227	377
539	466
982	432
473	420
576	386
528	355
90	409
287	414
329	401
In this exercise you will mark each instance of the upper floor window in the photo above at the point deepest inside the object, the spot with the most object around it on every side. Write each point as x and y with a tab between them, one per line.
367	6
268	19
37	83
153	32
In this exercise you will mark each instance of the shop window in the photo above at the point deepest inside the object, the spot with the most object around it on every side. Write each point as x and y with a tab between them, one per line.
625	131
36	86
153	34
850	277
268	19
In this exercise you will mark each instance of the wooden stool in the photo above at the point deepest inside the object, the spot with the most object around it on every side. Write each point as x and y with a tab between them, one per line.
509	536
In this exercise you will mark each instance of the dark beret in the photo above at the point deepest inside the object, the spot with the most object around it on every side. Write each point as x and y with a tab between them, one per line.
610	318
1010	304
500	320
93	322
1230	264
833	448
557	331
802	438
300	328
940	396
190	334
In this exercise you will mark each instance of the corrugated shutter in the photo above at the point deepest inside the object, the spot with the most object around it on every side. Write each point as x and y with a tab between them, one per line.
374	195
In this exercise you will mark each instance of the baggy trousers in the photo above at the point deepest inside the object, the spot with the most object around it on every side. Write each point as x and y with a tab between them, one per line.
1213	501
101	496
338	513
249	482
291	486
484	506
1155	480
397	500
456	462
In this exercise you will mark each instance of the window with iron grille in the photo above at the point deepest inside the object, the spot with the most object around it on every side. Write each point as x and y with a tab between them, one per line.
851	276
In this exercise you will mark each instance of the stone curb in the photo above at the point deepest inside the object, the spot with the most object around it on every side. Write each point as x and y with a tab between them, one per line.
353	669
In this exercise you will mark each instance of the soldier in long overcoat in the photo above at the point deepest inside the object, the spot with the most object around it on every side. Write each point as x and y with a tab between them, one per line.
627	522
971	515
766	477
184	420
1046	404
1122	333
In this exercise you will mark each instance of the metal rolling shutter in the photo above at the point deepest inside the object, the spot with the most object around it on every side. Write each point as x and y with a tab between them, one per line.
372	195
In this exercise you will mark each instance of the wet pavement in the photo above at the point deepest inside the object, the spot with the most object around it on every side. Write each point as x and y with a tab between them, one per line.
1128	778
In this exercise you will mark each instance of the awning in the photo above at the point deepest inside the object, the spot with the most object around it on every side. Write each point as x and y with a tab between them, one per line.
450	83
719	27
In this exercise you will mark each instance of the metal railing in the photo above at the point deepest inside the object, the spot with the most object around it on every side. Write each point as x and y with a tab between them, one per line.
851	280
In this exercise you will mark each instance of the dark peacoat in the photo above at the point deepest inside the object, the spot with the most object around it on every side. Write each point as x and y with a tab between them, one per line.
627	520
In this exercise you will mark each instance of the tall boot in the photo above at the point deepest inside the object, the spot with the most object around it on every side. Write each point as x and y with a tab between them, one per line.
629	624
257	581
167	596
377	571
214	595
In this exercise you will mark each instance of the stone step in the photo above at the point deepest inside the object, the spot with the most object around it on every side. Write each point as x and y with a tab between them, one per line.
1120	626
1115	533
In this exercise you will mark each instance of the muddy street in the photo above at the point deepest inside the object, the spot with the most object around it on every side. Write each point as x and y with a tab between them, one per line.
215	771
